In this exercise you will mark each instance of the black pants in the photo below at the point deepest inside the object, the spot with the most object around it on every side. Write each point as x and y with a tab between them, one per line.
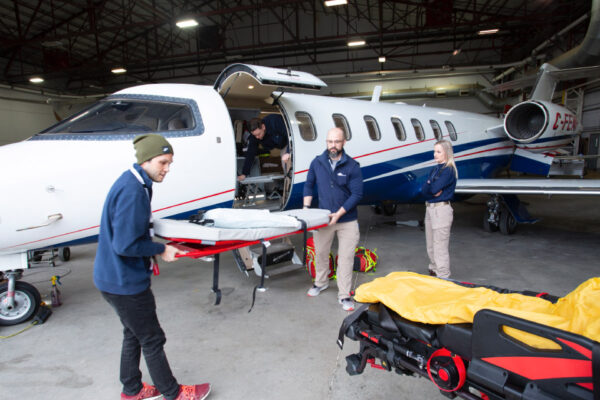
142	332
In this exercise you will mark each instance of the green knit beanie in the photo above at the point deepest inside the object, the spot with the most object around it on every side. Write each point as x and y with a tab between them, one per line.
149	146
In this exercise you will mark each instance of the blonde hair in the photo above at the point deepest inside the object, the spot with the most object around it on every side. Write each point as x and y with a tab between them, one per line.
449	152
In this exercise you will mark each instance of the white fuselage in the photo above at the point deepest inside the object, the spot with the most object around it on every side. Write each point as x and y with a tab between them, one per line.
71	176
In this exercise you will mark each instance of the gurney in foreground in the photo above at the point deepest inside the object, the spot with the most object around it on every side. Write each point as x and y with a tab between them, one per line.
479	342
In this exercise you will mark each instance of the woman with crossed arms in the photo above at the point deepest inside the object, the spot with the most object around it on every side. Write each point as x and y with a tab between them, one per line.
438	191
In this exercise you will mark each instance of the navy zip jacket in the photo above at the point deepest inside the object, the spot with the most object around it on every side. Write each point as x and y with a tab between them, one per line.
275	137
342	187
122	264
439	178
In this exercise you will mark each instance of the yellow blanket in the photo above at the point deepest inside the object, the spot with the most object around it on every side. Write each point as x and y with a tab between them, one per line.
430	300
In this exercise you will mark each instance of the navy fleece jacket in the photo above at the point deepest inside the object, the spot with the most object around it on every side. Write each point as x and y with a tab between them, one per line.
342	187
275	137
440	178
122	264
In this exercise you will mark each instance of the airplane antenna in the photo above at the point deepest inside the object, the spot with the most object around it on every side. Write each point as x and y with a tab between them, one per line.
376	94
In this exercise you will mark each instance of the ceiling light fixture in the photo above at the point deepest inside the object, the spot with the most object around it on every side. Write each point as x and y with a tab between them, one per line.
36	79
331	3
381	59
488	31
355	43
119	70
187	23
456	52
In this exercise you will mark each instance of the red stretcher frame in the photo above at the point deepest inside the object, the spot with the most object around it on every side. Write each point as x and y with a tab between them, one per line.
197	248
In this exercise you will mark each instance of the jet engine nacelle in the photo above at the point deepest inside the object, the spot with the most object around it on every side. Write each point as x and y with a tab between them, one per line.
531	120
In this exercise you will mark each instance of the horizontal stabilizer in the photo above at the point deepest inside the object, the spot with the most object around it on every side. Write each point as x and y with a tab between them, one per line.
529	186
530	163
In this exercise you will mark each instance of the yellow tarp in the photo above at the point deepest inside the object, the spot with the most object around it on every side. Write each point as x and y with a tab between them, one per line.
430	300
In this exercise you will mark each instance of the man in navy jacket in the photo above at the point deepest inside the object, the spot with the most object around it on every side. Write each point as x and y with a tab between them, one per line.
271	134
123	267
339	189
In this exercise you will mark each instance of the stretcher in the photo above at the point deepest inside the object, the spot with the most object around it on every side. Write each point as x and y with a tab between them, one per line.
219	230
479	342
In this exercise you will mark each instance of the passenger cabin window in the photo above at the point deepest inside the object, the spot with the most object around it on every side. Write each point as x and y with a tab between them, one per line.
306	126
399	129
119	116
340	122
372	127
437	131
451	130
419	132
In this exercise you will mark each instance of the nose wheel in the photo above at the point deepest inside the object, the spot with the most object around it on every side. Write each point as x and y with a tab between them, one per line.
20	306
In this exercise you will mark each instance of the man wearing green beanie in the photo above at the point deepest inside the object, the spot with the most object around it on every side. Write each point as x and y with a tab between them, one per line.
125	261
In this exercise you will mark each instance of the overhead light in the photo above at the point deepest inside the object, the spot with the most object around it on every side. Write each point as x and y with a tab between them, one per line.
119	70
250	87
456	52
36	79
187	23
488	31
331	3
381	59
355	43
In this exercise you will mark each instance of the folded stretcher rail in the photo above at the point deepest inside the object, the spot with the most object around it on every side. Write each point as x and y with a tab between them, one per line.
232	229
497	353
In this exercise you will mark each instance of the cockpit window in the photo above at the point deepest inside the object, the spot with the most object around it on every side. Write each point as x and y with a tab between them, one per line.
118	116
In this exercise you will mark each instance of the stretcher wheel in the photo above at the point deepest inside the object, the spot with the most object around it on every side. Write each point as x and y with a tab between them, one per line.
446	370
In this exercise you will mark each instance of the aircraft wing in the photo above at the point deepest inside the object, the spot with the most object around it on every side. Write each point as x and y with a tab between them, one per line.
529	186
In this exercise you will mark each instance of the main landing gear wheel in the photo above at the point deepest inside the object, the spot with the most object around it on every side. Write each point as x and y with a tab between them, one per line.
487	225
27	301
64	253
508	224
389	209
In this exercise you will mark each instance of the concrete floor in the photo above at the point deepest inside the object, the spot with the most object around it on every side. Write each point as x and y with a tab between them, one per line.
285	348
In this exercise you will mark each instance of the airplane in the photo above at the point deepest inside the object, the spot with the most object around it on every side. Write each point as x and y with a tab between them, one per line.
60	176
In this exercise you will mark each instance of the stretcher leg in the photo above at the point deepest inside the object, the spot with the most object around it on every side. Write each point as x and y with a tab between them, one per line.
215	287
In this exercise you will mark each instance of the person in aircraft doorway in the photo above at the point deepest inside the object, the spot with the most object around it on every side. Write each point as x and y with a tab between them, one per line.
439	190
339	187
270	133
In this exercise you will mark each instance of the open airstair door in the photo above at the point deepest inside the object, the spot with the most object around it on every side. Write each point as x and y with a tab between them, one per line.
243	85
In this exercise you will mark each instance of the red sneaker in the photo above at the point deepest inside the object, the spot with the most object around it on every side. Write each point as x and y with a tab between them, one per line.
194	392
148	392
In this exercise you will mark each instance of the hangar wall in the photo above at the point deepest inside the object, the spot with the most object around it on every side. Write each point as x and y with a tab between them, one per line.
22	115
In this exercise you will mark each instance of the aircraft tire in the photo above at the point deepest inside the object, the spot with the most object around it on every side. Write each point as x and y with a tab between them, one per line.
64	253
508	224
27	299
487	225
389	209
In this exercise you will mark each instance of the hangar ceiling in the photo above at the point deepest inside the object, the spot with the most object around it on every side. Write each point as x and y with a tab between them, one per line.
73	45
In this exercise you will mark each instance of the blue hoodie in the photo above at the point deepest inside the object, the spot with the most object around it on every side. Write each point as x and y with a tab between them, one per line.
342	187
122	264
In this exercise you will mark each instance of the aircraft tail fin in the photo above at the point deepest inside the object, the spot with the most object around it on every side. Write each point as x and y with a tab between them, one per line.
545	83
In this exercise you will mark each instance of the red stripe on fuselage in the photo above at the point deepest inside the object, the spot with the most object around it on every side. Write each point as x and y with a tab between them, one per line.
93	227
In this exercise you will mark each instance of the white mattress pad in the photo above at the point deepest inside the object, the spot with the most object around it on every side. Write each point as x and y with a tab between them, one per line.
249	227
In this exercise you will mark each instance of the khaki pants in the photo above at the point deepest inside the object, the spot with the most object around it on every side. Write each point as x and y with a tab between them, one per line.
438	221
348	236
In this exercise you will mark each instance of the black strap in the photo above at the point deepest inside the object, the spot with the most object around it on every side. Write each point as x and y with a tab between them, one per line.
596	369
349	320
305	238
